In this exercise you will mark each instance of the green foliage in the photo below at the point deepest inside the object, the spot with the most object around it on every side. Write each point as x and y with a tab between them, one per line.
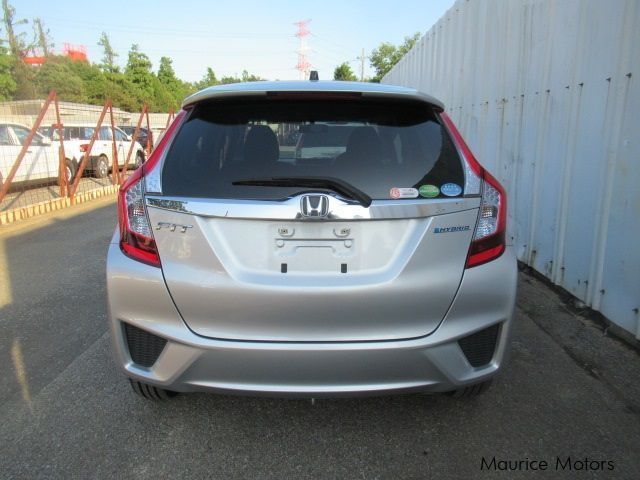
17	45
344	72
166	73
43	37
138	70
23	75
247	77
57	74
384	57
7	83
109	59
208	80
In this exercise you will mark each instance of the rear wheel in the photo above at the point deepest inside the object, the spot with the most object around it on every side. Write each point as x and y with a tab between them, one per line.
70	169
472	390
151	392
101	169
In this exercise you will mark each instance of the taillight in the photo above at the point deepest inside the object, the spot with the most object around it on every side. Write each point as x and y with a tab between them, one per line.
84	147
489	236
136	236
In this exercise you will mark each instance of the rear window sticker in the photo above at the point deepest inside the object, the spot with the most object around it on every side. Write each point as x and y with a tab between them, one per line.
429	191
396	193
451	189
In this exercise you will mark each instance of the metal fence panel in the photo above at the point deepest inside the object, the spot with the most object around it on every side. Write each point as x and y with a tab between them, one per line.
546	94
53	153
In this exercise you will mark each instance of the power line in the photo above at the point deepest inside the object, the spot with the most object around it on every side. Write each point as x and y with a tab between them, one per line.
164	31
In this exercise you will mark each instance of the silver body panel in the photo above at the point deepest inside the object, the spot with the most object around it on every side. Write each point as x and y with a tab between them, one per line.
224	274
190	362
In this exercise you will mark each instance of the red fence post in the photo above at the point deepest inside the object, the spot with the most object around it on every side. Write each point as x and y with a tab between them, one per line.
149	146
115	177
63	178
134	139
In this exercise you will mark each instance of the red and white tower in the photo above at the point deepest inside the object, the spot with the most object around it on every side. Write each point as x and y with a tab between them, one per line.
303	65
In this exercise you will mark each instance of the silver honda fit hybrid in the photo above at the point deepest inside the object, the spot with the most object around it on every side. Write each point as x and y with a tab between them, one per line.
311	239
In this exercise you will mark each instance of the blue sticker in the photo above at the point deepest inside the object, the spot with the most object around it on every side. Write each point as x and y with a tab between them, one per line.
451	189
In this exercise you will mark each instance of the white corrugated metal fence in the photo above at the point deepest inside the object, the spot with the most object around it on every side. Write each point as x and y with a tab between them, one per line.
546	94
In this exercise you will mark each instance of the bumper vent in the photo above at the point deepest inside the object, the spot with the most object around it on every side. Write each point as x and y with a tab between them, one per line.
479	347
144	347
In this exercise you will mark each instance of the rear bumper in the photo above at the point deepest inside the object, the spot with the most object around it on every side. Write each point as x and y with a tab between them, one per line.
188	362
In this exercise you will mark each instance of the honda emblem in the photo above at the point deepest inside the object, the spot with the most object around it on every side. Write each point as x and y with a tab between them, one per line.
314	206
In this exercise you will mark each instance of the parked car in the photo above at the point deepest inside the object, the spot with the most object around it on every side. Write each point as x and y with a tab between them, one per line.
77	138
322	140
383	269
145	137
41	161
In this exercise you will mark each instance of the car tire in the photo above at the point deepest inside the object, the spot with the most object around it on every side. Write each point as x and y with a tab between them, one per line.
101	168
151	392
71	170
472	390
139	160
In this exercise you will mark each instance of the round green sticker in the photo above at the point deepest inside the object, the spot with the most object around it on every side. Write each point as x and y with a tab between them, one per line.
429	191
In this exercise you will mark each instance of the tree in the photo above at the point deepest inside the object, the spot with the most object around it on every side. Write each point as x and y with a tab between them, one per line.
384	57
43	37
229	79
166	73
109	58
94	81
247	77
17	46
138	72
57	74
344	72
208	80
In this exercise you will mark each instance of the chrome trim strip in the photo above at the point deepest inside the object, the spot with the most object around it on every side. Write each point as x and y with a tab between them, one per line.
290	209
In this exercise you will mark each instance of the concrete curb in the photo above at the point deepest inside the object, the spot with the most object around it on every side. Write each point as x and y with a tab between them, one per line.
15	215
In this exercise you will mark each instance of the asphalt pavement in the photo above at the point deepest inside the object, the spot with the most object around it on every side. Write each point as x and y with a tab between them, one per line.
570	395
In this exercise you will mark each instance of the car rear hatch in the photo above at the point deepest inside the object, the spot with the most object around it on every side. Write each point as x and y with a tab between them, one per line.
368	244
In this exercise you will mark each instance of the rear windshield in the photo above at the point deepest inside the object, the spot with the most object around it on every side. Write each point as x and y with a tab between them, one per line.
387	149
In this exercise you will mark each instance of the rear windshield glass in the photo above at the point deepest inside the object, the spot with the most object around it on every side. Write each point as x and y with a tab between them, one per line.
387	149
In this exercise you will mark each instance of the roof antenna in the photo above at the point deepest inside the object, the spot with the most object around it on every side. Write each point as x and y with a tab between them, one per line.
313	76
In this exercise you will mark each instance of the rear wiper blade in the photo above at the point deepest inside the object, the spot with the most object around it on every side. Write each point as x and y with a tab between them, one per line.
339	186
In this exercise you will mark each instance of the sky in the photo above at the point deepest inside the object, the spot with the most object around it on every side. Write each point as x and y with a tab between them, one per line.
233	36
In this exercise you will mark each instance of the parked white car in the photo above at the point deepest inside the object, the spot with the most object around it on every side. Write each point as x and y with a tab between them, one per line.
77	138
39	163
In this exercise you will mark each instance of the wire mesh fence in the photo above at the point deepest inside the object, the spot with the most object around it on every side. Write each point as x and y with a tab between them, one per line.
51	150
